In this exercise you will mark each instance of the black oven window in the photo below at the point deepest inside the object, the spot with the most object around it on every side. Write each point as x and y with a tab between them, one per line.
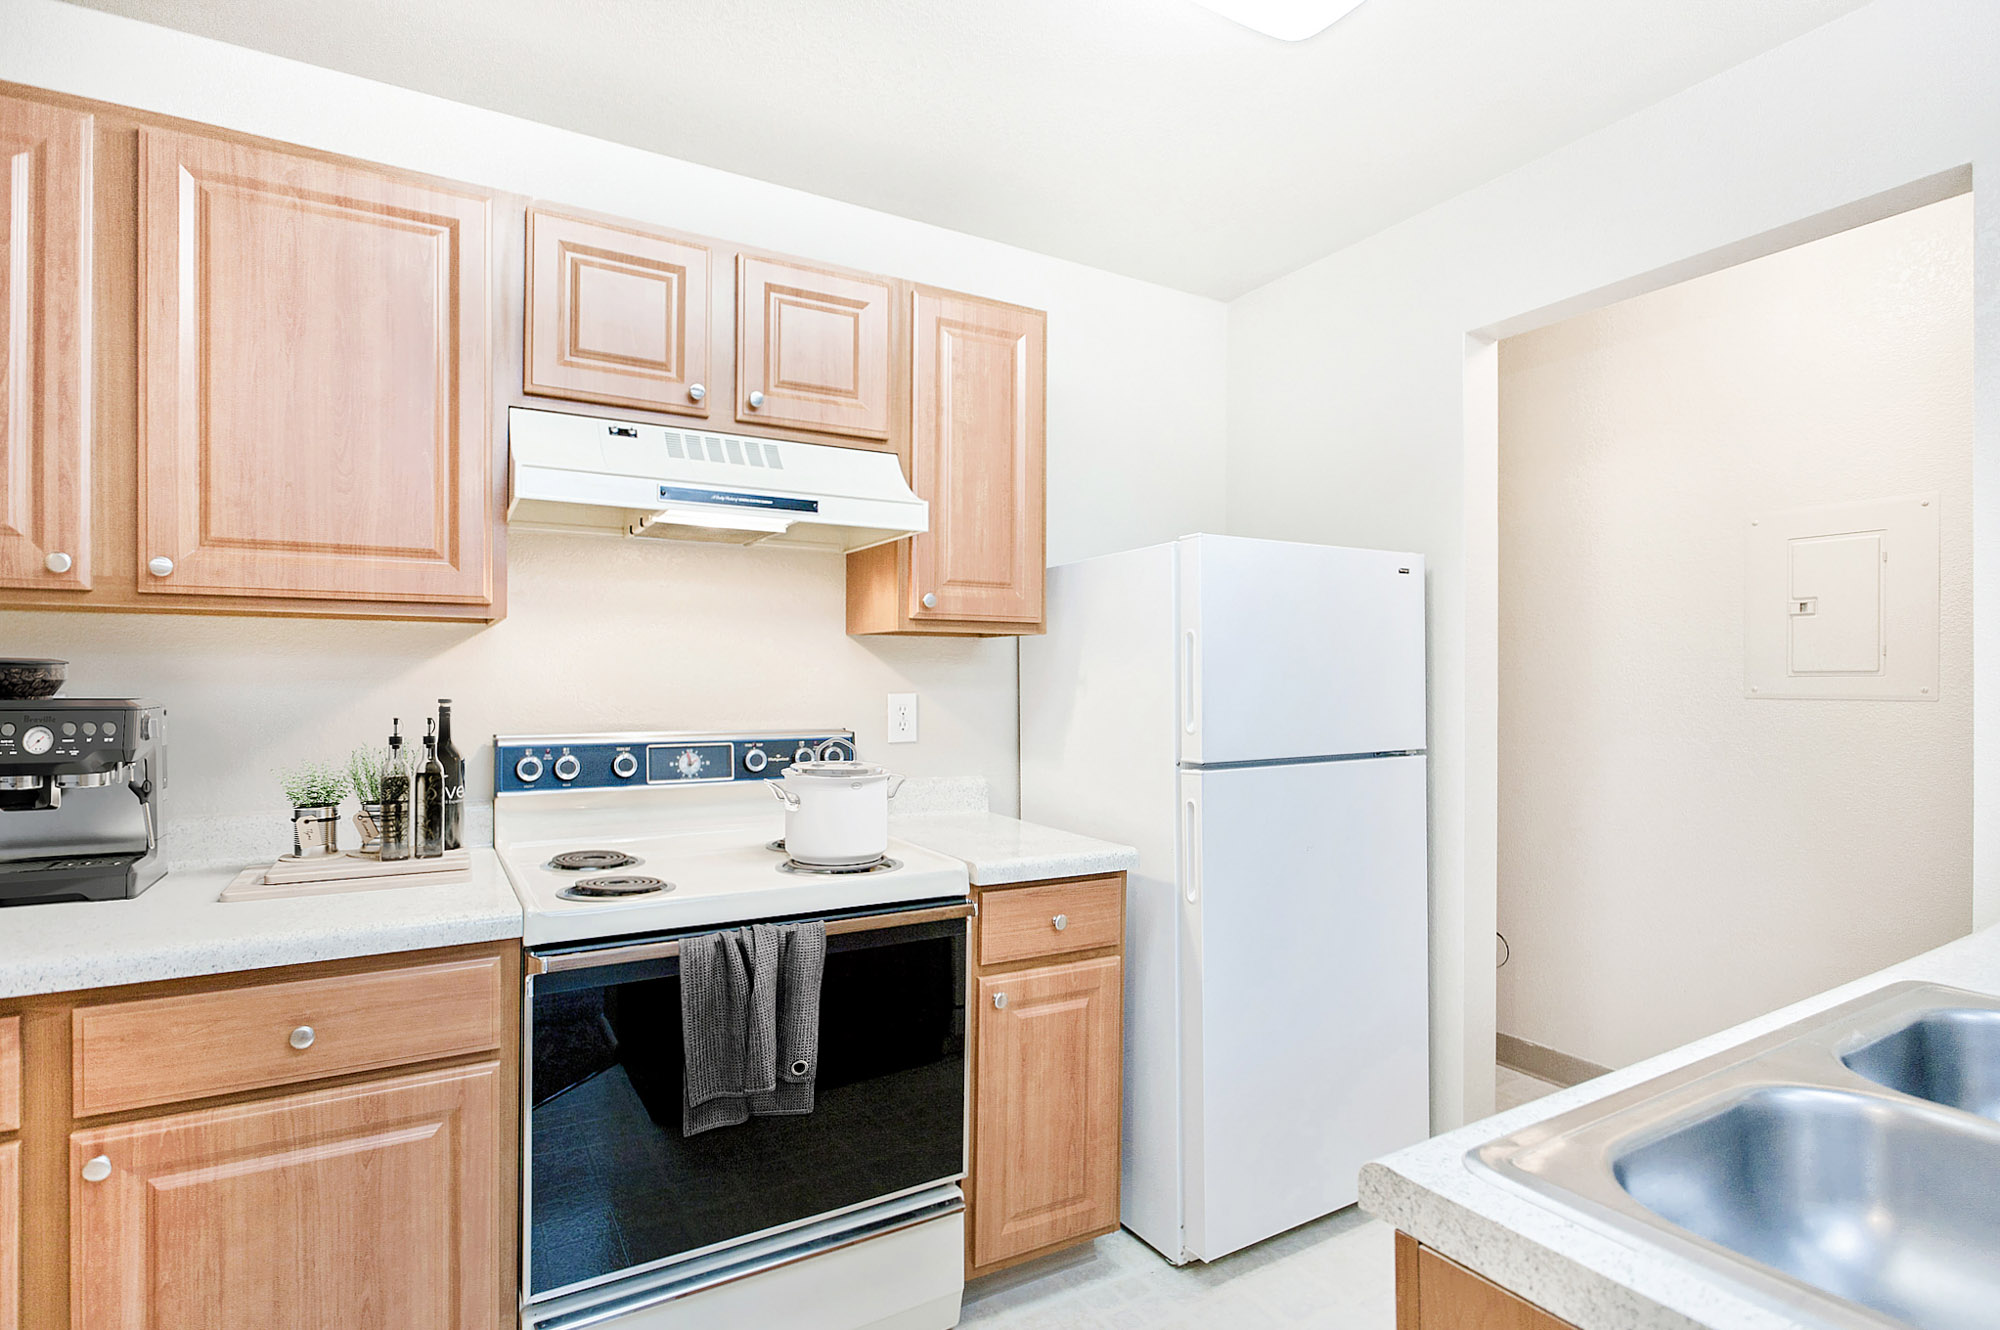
613	1182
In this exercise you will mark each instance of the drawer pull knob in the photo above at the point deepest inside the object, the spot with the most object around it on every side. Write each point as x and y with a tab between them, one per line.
59	562
97	1170
1061	922
696	392
755	400
302	1038
1000	1001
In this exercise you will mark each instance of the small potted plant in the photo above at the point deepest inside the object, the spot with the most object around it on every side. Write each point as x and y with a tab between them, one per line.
364	776
315	790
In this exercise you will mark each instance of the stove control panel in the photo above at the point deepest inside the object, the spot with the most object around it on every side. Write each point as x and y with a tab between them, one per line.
525	765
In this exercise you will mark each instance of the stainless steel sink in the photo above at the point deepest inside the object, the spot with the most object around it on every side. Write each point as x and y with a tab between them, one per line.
1844	1171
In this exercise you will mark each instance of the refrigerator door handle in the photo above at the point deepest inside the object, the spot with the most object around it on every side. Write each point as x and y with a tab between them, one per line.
1190	692
1190	849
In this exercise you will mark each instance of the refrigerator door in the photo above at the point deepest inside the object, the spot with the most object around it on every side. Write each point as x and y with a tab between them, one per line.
1304	989
1289	650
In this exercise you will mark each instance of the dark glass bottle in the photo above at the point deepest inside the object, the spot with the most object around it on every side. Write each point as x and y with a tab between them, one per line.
453	763
427	798
395	824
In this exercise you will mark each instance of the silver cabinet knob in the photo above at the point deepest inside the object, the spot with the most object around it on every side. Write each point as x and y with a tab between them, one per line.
930	600
97	1170
59	562
1000	1001
1061	922
160	566
302	1038
756	399
696	392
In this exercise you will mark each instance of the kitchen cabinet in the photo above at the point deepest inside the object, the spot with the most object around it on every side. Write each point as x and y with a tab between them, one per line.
617	313
315	412
1435	1293
10	1073
1047	1039
977	456
370	1207
10	1235
814	348
334	1149
45	323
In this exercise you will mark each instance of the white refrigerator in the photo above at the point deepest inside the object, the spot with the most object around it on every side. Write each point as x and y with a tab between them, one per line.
1250	715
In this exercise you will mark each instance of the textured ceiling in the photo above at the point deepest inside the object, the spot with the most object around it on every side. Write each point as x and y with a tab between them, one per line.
1149	137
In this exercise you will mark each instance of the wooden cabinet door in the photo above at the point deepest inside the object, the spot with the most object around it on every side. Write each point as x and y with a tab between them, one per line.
813	348
314	394
371	1207
617	314
977	456
45	407
1046	1105
10	1235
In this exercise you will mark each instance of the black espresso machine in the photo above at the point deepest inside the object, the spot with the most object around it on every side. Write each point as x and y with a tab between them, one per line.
80	782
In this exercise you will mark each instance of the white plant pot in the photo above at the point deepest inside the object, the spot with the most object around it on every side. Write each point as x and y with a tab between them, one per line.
836	813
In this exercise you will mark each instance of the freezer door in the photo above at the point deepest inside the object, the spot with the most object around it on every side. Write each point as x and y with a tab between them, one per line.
1290	650
1305	993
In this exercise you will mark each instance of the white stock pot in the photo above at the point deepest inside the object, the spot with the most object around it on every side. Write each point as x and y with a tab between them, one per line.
836	813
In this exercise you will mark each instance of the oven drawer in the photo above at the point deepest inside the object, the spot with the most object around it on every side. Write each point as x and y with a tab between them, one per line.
164	1050
1023	923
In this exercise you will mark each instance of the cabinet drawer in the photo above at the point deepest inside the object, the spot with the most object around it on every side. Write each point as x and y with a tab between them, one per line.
163	1050
10	1073
1019	923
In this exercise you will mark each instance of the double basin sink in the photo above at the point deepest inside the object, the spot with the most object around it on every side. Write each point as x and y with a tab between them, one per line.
1844	1171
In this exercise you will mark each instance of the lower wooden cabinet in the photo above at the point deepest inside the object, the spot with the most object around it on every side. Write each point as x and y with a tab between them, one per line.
1048	1070
372	1207
10	1235
1436	1293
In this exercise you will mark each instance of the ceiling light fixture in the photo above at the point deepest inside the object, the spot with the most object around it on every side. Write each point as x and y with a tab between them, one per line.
1287	20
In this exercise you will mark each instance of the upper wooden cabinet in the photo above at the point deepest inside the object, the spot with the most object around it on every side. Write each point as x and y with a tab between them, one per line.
315	408
375	1205
617	313
45	294
814	348
977	456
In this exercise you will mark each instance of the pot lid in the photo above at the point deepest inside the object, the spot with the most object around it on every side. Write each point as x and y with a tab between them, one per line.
839	771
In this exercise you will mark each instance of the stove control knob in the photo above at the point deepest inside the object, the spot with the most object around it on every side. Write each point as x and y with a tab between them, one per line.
836	750
529	769
624	766
567	767
755	760
805	753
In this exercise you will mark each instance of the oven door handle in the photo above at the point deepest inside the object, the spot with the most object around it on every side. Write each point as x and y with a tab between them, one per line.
664	950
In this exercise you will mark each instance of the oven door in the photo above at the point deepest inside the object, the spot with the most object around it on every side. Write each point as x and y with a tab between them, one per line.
613	1187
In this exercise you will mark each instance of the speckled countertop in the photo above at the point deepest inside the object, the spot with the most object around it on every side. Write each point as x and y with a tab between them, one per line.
1580	1272
1001	850
178	928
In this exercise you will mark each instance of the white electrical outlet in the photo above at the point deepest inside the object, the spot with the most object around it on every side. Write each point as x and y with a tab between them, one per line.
902	718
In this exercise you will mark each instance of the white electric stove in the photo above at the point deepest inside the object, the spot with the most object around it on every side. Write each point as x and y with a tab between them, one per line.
619	846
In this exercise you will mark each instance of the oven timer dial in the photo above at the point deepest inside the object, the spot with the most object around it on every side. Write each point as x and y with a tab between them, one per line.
567	767
624	766
529	769
755	760
689	763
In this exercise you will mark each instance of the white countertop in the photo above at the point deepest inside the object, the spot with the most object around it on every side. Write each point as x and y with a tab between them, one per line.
1581	1273
178	928
1001	850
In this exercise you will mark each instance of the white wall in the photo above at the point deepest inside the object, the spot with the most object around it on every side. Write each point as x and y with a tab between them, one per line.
1763	850
647	633
1362	395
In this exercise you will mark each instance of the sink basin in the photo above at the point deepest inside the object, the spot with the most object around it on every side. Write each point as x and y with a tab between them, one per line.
1895	1209
1843	1171
1949	1057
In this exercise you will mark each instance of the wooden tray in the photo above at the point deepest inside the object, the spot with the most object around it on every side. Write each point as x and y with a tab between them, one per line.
250	884
340	867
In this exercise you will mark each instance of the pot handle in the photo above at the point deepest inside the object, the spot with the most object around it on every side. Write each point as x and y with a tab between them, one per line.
896	784
785	796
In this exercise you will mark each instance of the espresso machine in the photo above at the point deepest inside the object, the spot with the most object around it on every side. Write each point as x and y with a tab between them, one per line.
80	782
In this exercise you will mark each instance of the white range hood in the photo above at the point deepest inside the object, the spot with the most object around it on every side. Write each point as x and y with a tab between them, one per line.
590	473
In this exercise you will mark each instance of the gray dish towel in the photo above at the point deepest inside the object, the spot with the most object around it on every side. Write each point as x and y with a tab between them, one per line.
750	1023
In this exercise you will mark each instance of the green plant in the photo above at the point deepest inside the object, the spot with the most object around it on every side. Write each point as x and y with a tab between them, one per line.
313	783
364	772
